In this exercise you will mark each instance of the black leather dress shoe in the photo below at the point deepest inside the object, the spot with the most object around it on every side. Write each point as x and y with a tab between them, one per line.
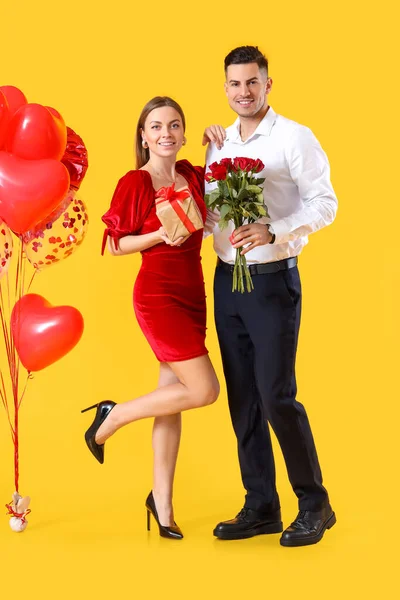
249	523
308	527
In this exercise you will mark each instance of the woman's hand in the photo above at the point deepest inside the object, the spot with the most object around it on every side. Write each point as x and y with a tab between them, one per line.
178	242
216	134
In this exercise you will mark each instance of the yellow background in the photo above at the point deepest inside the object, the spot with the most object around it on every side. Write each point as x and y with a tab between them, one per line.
333	67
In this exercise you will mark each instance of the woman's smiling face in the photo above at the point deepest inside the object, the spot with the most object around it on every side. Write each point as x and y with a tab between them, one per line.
163	131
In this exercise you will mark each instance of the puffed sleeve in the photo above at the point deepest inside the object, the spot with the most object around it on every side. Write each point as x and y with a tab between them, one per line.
199	174
130	205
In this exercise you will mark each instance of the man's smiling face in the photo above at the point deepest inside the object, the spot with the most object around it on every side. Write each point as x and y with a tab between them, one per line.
247	88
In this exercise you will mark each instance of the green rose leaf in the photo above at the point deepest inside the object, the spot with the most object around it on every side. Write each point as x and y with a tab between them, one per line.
225	209
214	195
260	198
254	189
242	195
262	211
234	179
223	224
213	199
223	189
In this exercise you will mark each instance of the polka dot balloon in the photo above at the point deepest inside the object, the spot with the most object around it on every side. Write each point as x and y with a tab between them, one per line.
6	245
59	235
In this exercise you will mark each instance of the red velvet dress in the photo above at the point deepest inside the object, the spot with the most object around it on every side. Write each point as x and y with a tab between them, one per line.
169	296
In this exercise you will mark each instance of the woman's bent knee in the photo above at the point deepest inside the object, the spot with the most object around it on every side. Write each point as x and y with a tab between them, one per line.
213	394
206	396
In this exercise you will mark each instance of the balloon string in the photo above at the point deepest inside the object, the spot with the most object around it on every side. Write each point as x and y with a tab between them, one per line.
31	281
14	291
3	395
20	276
16	452
6	333
30	376
20	294
6	336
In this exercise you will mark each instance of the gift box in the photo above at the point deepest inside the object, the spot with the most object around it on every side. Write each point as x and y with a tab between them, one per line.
178	212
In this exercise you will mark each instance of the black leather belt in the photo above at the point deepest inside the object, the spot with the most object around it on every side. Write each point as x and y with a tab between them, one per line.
261	269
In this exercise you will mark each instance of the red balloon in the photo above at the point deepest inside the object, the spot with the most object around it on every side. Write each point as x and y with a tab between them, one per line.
4	118
75	158
54	112
59	120
35	132
44	333
14	96
30	190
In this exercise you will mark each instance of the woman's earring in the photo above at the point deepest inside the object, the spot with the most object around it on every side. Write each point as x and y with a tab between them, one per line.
145	144
184	141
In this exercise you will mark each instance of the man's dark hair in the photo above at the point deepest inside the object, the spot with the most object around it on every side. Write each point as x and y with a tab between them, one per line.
244	55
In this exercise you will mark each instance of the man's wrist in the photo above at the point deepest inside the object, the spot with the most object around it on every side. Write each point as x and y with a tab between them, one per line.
271	231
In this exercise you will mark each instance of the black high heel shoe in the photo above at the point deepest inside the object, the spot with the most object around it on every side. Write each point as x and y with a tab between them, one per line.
172	532
103	410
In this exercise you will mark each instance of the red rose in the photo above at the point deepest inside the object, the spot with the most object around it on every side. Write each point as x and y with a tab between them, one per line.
218	171
226	162
213	166
241	163
258	166
250	165
208	177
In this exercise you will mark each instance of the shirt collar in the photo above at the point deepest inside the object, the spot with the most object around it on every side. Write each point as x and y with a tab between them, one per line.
264	128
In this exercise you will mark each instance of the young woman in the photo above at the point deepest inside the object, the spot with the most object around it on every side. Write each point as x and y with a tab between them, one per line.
169	300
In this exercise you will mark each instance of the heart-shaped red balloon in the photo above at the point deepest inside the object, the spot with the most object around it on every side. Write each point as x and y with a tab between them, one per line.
44	333
14	97
30	190
36	132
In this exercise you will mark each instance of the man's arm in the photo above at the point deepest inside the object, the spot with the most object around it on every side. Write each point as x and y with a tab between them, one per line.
310	171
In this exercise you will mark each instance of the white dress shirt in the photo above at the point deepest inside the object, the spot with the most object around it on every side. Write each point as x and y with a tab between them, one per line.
297	188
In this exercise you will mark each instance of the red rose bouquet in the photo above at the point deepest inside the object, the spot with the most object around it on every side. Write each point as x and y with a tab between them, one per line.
239	198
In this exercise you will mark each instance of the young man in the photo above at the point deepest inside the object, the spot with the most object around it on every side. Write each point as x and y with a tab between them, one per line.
258	331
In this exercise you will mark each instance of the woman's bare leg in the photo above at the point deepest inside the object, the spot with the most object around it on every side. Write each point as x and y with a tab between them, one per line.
166	438
198	386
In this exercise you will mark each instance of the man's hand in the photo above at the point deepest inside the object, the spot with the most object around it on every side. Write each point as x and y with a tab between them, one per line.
216	134
255	234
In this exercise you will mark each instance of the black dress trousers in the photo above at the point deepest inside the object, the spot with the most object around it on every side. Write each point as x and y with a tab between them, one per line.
258	334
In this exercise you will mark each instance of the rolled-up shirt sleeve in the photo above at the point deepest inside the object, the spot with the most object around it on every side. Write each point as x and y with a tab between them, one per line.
309	169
